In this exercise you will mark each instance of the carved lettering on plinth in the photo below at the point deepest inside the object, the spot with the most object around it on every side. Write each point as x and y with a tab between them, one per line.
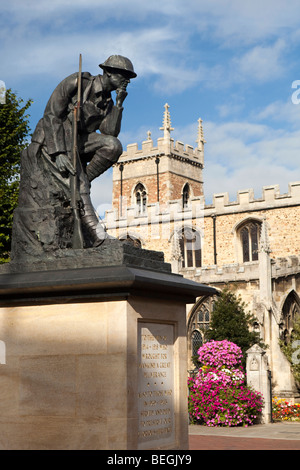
156	383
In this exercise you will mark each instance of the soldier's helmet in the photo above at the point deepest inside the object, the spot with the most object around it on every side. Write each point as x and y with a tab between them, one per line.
118	62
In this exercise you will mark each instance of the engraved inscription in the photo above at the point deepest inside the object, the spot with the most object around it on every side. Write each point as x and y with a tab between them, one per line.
156	382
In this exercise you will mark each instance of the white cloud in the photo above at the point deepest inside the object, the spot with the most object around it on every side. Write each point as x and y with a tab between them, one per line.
101	11
49	35
246	155
261	63
217	179
57	55
281	111
237	23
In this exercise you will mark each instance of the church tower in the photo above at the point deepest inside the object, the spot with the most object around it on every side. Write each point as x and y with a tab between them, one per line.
158	174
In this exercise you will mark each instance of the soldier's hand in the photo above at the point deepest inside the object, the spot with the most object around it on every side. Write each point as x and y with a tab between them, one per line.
64	165
121	95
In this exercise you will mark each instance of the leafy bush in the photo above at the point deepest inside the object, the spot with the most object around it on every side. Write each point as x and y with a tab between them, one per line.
14	128
229	320
292	351
218	395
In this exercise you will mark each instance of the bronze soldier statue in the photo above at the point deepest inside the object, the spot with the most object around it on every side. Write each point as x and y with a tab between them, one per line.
44	219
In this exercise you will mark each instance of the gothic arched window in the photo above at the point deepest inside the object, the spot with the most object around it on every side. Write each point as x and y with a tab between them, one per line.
140	198
196	342
198	324
185	196
190	247
290	311
249	237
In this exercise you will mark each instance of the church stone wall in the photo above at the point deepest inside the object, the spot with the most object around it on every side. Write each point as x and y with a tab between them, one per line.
263	284
281	213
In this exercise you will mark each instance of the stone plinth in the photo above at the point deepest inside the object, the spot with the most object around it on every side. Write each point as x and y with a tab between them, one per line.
259	379
95	358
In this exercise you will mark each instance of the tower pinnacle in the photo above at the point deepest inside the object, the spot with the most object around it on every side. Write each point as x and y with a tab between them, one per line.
200	139
167	128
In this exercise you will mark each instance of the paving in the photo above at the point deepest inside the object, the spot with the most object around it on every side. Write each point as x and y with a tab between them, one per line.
273	436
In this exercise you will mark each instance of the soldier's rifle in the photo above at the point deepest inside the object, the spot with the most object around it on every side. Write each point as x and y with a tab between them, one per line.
77	239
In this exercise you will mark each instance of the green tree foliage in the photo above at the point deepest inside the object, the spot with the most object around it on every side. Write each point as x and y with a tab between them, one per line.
292	350
230	321
14	129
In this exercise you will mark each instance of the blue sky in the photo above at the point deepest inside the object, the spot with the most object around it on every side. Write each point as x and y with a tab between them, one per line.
232	63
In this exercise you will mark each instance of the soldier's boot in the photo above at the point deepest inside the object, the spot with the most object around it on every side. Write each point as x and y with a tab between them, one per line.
95	229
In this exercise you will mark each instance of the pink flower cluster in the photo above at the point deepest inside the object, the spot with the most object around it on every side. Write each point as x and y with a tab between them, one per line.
218	353
218	395
219	376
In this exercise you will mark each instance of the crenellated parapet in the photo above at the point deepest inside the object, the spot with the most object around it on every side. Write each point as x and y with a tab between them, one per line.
287	266
170	148
246	201
246	272
163	213
213	274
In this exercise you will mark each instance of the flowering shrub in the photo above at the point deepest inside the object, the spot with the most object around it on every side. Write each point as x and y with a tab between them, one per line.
284	411
218	394
219	353
221	376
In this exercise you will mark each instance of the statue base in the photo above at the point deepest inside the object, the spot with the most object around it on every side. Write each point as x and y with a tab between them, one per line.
94	355
112	252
